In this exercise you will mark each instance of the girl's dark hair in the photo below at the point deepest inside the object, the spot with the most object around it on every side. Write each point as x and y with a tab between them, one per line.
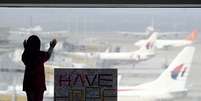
33	43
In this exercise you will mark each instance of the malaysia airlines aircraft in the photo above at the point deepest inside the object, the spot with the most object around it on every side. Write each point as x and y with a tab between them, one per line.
170	84
171	43
143	53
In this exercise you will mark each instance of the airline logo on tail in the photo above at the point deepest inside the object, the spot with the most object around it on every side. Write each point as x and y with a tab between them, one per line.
179	69
151	41
149	45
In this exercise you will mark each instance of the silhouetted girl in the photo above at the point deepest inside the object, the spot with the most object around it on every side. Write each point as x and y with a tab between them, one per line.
34	59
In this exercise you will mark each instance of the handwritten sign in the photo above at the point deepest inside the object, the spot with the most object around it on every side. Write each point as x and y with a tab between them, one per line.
85	84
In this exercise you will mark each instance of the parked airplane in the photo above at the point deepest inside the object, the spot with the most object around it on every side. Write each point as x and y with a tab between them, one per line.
170	84
171	43
141	54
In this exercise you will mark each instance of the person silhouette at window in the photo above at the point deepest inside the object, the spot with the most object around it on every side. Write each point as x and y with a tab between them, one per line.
34	75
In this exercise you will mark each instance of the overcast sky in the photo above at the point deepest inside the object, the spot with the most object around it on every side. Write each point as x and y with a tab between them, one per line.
102	19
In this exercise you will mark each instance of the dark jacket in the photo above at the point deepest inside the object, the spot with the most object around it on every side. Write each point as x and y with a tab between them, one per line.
34	76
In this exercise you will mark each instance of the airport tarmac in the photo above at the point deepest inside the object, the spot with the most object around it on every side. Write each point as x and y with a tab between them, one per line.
142	72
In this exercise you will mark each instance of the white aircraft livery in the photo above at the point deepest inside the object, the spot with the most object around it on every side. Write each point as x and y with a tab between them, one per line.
172	43
170	84
143	53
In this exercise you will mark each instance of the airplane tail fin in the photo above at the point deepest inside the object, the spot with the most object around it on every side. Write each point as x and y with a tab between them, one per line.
175	76
192	37
149	45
